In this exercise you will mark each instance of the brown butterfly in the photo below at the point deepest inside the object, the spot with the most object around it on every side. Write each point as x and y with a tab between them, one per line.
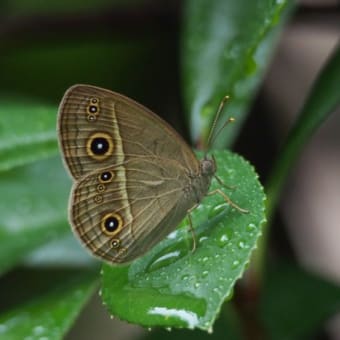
135	178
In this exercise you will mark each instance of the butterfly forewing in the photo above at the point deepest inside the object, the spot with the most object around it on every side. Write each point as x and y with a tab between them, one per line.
89	114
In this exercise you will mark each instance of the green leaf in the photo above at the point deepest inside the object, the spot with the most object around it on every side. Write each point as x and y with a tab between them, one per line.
171	286
65	252
295	303
225	50
33	209
50	312
321	102
27	132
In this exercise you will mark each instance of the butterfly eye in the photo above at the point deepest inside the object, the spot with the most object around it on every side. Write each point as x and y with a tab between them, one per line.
111	223
98	199
100	187
91	118
99	146
93	109
105	177
115	243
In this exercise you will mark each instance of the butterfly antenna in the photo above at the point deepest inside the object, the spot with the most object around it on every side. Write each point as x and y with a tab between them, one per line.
212	134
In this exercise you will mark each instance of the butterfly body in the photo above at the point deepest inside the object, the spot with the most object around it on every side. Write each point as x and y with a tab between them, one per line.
134	177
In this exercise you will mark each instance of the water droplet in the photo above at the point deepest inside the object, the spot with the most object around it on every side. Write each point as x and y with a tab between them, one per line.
165	258
235	264
202	239
185	277
173	235
206	324
216	290
241	245
224	238
251	227
219	208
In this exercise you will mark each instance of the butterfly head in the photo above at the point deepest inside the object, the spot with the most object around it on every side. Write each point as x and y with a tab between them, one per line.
208	166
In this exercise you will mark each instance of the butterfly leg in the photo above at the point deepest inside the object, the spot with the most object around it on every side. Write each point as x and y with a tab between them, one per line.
223	184
228	200
191	228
